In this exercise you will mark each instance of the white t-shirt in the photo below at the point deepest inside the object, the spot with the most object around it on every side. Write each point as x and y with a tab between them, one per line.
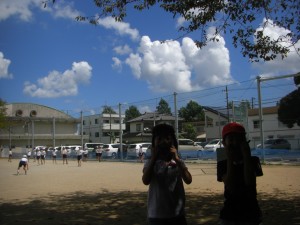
166	195
24	159
79	152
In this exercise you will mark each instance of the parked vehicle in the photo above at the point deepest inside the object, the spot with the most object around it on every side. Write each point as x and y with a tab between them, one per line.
277	143
202	143
133	149
75	147
185	154
91	146
188	144
110	150
213	145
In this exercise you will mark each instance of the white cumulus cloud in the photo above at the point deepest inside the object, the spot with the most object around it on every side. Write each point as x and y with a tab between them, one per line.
171	66
279	66
57	84
117	64
121	28
122	50
4	64
24	9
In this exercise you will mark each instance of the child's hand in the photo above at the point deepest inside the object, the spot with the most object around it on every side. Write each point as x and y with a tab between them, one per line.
154	153
245	148
173	150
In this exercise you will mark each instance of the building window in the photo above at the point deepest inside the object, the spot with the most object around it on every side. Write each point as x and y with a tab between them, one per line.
116	121
96	121
96	134
209	122
106	134
105	121
256	124
83	122
83	133
138	127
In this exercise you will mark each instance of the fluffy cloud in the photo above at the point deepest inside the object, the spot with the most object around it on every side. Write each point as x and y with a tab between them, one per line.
121	28
117	65
290	64
23	9
4	64
171	66
58	84
122	50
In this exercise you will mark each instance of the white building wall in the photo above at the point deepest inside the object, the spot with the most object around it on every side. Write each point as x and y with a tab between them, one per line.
272	128
214	131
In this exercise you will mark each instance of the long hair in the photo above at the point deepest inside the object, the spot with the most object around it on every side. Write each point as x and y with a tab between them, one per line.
163	130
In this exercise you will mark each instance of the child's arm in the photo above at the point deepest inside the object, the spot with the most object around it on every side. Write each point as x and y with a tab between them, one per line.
147	172
185	174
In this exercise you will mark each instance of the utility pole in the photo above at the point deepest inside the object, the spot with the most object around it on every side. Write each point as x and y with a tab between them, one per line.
252	103
81	128
121	133
176	116
227	105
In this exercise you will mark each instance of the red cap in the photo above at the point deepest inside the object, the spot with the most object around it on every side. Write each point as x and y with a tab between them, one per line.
233	128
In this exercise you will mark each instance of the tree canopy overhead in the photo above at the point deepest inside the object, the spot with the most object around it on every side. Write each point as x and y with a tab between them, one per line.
238	18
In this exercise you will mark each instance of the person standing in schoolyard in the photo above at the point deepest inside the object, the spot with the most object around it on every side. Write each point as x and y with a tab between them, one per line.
29	154
64	153
10	155
238	173
43	156
165	172
141	154
54	155
85	155
79	154
23	163
38	155
99	150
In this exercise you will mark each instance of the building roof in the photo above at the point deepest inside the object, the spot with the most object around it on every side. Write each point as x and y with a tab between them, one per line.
218	110
21	111
151	116
266	111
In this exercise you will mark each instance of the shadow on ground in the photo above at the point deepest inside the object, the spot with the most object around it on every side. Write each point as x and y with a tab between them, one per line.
129	208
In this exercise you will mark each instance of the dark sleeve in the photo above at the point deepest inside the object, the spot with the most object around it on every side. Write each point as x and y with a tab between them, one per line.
257	166
221	169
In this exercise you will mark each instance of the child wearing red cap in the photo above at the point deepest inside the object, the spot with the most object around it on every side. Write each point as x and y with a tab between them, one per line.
238	172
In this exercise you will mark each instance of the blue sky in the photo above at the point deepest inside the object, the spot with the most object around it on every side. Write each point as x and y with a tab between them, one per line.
48	58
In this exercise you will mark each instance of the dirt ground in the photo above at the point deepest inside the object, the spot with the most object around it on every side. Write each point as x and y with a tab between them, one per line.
112	193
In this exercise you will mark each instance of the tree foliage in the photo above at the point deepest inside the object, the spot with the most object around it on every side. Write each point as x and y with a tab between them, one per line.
289	110
163	107
192	112
237	18
108	110
189	131
131	113
3	122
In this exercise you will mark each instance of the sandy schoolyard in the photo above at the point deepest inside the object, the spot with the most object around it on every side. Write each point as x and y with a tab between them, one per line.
112	193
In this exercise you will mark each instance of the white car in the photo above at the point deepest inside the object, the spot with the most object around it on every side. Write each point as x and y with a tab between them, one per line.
188	145
133	149
213	145
110	150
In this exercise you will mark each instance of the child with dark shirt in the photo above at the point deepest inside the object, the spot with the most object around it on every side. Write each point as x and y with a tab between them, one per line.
238	172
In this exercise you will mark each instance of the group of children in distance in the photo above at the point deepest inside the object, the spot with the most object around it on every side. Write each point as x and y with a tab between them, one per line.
165	173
